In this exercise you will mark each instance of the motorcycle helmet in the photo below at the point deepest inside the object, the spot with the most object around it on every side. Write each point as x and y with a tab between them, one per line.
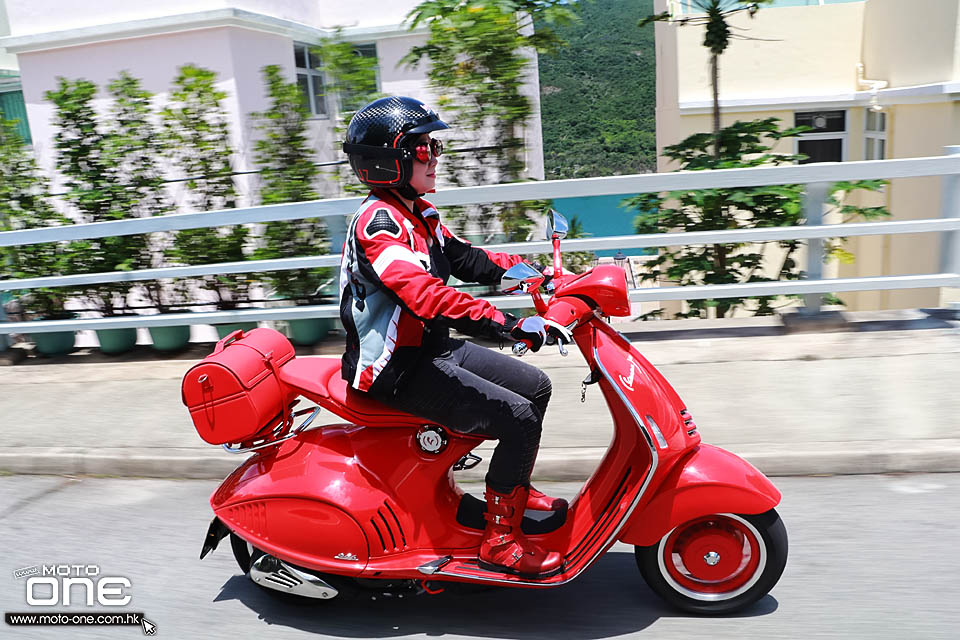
378	138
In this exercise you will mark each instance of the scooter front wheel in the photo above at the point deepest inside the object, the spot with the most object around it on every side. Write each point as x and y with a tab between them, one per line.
717	563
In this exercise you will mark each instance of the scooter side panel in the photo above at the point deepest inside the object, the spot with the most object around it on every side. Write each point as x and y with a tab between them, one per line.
401	499
708	480
306	532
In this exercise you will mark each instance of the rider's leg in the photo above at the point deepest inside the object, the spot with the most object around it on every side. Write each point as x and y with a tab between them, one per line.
440	390
523	379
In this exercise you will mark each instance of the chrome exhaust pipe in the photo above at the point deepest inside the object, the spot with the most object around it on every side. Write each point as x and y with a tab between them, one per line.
275	574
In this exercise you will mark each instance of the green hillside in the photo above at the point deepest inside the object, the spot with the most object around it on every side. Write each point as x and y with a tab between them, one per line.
598	94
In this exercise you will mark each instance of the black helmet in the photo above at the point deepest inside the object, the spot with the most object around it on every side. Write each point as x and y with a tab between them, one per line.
377	137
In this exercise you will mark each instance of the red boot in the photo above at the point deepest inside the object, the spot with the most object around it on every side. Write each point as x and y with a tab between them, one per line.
504	546
541	502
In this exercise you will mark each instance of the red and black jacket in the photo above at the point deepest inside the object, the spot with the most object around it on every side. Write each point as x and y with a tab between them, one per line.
394	298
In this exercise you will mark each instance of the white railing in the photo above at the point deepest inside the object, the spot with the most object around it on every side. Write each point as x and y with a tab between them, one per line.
817	177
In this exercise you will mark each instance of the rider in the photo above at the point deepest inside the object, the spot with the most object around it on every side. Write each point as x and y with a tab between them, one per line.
397	309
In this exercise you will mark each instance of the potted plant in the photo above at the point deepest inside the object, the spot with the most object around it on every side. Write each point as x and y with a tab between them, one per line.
110	175
23	205
300	286
196	132
169	298
288	173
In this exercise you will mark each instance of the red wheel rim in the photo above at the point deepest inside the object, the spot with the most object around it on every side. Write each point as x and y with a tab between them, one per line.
715	554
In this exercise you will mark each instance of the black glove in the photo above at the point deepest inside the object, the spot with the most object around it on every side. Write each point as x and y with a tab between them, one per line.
531	330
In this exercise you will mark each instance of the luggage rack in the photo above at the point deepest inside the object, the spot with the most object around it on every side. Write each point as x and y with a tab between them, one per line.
277	435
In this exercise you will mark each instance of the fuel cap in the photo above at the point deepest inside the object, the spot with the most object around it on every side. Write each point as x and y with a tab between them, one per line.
432	439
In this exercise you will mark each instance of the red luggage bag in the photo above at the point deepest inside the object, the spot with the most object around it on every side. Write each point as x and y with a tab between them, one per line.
235	394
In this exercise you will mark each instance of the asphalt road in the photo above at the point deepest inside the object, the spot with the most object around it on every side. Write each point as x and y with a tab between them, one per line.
871	557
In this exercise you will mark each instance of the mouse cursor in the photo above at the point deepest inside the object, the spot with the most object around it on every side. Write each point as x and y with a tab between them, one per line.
149	628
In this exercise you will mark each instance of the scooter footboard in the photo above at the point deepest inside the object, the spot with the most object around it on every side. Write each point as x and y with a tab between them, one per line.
708	480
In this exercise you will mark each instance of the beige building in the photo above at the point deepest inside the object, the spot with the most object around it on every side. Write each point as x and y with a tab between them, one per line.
875	78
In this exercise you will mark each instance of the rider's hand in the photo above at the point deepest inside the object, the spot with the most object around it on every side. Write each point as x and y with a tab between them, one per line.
531	330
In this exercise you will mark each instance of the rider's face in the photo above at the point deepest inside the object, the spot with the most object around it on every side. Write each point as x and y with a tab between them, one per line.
424	176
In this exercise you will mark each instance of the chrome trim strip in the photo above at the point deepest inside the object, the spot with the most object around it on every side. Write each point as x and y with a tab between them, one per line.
295	432
715	597
626	518
433	566
656	431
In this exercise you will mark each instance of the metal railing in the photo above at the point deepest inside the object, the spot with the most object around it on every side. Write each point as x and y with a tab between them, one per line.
817	177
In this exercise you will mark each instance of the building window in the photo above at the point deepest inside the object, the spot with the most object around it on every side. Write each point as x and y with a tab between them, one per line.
310	79
827	142
12	107
875	135
353	100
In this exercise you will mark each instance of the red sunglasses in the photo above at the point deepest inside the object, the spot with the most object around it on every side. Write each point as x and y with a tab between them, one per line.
425	149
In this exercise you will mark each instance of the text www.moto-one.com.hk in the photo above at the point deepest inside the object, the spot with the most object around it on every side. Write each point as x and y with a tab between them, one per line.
71	619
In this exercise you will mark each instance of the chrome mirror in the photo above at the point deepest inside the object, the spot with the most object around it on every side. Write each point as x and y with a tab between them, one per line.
557	225
521	278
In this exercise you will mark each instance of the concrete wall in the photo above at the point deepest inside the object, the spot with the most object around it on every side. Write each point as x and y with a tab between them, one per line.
814	53
914	130
236	55
8	61
41	16
804	51
910	43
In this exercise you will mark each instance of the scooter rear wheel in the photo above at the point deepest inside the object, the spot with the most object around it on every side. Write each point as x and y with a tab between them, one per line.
718	563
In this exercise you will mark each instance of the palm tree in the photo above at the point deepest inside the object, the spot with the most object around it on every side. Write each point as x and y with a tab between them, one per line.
716	38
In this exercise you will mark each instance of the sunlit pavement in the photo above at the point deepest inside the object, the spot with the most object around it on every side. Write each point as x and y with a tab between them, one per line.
877	399
870	557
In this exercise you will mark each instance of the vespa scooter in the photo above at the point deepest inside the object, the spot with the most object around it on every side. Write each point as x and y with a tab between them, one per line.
373	502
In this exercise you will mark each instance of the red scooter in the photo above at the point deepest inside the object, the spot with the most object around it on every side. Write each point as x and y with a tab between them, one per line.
372	503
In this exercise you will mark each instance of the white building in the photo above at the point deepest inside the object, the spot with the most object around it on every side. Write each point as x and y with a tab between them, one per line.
41	40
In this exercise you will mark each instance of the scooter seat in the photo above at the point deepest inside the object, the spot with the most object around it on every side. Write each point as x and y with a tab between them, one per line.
319	380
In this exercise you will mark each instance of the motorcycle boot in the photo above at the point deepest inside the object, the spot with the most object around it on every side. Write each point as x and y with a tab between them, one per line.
504	546
539	501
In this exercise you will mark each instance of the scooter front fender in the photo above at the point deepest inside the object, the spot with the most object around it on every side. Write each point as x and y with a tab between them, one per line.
708	480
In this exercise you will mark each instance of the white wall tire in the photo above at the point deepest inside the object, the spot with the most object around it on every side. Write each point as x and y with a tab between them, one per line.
716	564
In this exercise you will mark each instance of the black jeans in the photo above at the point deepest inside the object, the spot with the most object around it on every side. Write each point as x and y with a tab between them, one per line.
475	390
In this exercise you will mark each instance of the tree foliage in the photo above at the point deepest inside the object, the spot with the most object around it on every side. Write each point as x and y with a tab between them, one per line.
195	128
96	164
742	144
134	144
288	172
352	79
598	94
23	205
480	53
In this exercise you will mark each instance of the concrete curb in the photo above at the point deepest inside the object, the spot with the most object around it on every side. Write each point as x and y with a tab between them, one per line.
553	464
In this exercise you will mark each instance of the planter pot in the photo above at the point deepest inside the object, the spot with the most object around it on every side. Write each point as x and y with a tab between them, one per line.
117	340
57	342
309	331
53	344
170	338
223	330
